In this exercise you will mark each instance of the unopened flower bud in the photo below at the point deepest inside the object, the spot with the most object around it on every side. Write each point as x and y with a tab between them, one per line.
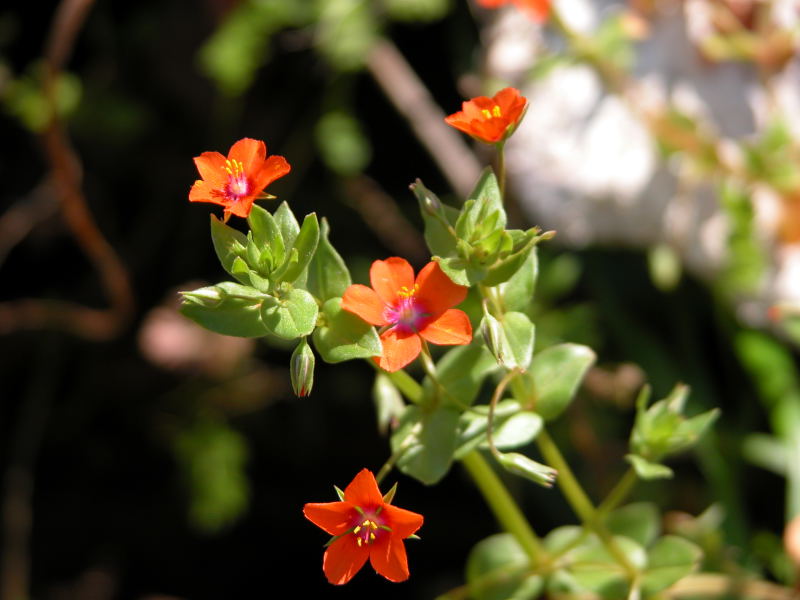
521	465
494	337
207	296
301	369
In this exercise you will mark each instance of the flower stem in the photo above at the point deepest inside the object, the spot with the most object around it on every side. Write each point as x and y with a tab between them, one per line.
504	507
501	168
580	502
619	493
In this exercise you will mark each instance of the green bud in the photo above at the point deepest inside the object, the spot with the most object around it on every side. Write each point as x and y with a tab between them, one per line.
301	369
495	339
521	465
208	296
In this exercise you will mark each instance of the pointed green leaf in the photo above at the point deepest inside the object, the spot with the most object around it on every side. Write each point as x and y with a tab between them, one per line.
517	291
291	317
517	430
229	244
504	269
344	336
438	220
461	372
328	276
671	558
520	333
235	311
640	521
487	191
287	223
266	233
648	470
498	569
302	251
426	442
554	378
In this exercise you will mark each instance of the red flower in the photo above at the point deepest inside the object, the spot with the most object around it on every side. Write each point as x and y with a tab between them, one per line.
237	181
412	310
538	10
490	120
364	525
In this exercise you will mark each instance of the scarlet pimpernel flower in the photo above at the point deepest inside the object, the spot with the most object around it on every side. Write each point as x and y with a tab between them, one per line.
364	525
410	310
239	179
490	120
538	10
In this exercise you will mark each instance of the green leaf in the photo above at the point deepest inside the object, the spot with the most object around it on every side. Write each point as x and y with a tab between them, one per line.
487	193
498	569
302	251
648	470
439	233
474	422
517	430
670	559
328	276
291	317
504	269
266	235
426	441
229	244
517	292
287	223
640	521
594	569
344	336
227	308
554	378
461	372
462	271
343	146
520	333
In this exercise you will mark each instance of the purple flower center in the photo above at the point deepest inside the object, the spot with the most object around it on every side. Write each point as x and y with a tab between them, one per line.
238	185
368	527
407	314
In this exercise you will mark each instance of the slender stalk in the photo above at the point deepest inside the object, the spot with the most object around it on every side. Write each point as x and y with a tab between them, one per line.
498	392
619	493
504	507
501	168
579	501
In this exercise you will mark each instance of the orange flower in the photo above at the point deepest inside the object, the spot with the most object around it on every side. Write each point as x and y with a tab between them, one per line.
411	310
538	10
237	181
490	120
364	525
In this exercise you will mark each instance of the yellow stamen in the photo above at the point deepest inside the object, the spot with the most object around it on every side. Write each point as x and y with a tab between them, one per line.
404	292
496	111
371	537
359	541
233	168
357	529
373	525
485	112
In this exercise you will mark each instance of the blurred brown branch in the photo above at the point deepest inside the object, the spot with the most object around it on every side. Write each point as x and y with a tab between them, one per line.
412	100
94	324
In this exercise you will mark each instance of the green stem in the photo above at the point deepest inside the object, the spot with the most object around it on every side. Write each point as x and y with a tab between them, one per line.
498	392
501	168
619	493
404	382
504	507
580	502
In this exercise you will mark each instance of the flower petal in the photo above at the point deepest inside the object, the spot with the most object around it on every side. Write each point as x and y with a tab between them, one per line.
251	153
363	491
343	559
399	349
202	191
403	522
240	207
365	303
452	328
512	104
436	291
334	517
211	166
274	168
389	276
389	558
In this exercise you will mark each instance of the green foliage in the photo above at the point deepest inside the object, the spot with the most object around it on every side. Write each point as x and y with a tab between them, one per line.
425	442
328	276
291	316
498	569
212	457
389	405
227	308
669	560
746	258
639	521
24	97
773	157
521	465
553	379
301	369
342	143
241	44
662	430
460	374
343	336
417	10
346	31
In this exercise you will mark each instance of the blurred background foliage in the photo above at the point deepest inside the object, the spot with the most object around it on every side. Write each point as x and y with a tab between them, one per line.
164	461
